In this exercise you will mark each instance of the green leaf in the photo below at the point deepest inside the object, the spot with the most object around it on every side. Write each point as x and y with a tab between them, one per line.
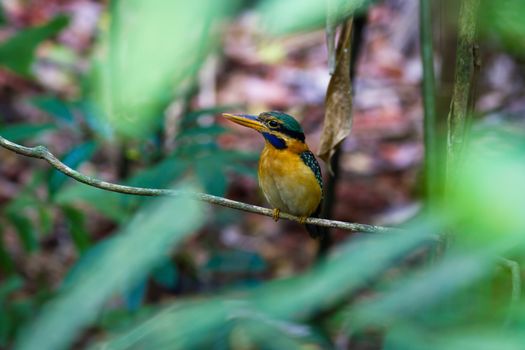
430	288
73	159
45	217
117	206
166	275
160	175
210	173
504	19
6	262
209	131
135	295
55	107
255	331
201	322
25	230
114	320
77	228
109	204
92	116
139	247
235	261
134	79
17	52
2	15
93	253
9	286
193	116
22	132
284	17
480	338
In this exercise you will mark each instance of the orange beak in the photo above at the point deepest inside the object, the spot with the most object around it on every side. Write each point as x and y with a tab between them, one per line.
247	120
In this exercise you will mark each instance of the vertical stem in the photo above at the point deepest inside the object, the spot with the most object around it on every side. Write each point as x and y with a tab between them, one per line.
465	67
445	15
429	103
460	107
330	197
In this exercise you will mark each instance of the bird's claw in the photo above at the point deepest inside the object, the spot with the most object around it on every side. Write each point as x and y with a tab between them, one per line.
276	213
302	219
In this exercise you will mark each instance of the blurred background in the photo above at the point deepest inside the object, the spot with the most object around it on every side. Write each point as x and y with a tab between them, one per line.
131	92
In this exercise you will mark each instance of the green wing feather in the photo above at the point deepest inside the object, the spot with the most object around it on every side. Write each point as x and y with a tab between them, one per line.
309	159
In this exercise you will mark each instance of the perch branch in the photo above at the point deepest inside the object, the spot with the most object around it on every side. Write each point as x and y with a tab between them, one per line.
42	152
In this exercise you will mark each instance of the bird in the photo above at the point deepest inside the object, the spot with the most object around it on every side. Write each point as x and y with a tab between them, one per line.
289	174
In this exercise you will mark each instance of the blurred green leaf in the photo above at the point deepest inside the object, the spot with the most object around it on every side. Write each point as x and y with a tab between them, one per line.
117	206
92	116
160	175
210	131
200	323
55	107
166	275
210	173
74	158
114	320
135	295
85	262
415	338
489	195
256	331
210	168
6	262
430	287
13	315
235	261
17	52
195	115
9	286
505	20
22	132
2	15
107	203
77	228
25	230
282	17
141	245
134	79
45	217
5	326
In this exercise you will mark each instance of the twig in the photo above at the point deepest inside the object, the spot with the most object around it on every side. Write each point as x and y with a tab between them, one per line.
42	152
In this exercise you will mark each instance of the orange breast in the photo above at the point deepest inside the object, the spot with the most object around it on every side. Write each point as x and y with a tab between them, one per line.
287	183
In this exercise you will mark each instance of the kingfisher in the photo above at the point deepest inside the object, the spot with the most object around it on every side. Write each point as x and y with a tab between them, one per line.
289	175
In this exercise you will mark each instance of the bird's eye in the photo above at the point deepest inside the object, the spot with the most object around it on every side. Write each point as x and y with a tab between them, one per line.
273	124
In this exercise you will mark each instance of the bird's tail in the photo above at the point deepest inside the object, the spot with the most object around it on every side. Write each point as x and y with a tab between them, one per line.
316	231
320	233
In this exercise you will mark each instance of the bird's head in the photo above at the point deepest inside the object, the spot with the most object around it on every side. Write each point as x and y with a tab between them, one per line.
279	129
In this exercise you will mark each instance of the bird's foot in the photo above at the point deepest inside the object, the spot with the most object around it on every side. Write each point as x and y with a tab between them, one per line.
302	219
276	213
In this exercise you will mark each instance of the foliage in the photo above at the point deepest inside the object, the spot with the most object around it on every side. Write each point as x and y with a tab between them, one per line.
17	52
148	55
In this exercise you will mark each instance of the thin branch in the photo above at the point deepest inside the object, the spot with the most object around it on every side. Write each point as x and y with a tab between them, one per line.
42	152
